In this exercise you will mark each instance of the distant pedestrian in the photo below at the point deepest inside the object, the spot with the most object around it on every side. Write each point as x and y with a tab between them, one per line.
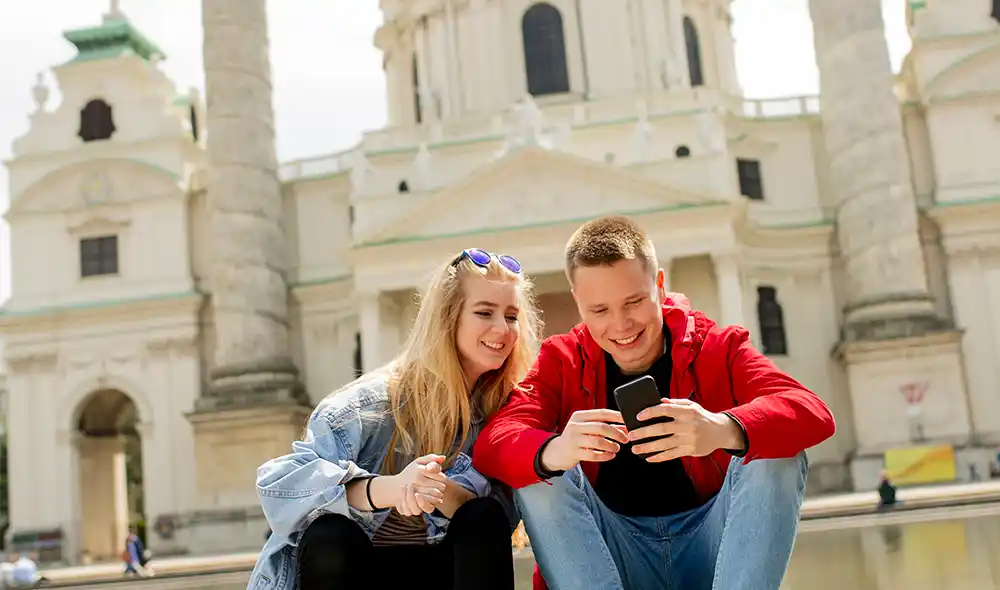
886	492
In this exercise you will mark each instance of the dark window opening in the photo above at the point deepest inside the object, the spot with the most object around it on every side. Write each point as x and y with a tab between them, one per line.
751	181
417	106
350	214
771	318
693	52
683	151
403	187
544	50
194	123
995	13
96	121
358	368
99	256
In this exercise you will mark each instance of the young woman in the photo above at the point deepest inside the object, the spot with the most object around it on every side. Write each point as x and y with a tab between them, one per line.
381	491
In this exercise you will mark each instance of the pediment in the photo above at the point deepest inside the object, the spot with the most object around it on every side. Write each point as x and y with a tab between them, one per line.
95	183
533	187
974	75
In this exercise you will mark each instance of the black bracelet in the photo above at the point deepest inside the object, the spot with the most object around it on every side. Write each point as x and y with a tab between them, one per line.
368	493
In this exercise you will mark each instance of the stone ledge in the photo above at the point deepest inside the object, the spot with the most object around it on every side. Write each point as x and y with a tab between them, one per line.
894	328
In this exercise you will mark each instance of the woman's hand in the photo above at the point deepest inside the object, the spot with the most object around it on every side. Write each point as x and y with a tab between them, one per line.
420	487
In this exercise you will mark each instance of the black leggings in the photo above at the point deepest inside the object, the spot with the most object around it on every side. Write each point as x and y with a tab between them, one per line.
334	553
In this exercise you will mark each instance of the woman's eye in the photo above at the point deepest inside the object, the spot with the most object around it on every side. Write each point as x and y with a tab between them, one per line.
484	314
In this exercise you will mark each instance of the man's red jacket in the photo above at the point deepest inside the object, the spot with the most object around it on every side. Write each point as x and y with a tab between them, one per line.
715	367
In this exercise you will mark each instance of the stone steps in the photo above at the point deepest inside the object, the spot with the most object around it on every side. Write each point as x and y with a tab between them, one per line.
837	511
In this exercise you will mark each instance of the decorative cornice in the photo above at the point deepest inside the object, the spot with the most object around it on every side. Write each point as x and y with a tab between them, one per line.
120	310
186	345
31	361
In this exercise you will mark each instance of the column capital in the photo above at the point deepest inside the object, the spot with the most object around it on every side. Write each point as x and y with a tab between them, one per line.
726	257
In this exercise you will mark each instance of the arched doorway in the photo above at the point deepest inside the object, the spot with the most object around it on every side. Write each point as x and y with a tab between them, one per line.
110	473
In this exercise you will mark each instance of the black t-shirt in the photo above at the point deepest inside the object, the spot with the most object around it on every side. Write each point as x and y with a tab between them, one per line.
630	485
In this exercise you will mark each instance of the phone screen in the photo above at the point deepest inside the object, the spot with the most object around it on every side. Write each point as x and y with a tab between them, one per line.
634	397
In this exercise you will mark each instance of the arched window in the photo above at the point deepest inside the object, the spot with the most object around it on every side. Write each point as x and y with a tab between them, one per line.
544	50
693	52
771	318
682	151
96	122
417	107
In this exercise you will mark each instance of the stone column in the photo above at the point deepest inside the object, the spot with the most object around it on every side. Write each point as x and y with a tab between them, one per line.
255	404
249	292
370	321
727	277
892	336
103	496
886	281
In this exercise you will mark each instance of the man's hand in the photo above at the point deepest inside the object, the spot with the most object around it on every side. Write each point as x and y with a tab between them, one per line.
590	435
694	432
454	496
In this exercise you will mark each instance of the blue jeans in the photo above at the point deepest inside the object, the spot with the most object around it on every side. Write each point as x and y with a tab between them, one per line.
739	540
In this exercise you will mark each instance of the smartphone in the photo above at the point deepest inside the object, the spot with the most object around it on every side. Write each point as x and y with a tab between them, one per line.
636	396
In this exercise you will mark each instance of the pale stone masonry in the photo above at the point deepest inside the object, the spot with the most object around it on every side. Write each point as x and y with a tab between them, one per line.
885	279
253	363
196	307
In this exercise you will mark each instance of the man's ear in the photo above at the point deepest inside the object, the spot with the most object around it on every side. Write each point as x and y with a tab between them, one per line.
660	290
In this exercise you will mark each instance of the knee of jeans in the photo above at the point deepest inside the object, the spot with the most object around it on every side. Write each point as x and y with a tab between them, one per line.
787	475
478	519
328	546
547	496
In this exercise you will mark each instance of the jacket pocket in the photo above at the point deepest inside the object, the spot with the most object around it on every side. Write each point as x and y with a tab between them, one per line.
261	582
459	465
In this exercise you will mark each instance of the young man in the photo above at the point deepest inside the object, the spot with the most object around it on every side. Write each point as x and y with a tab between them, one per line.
605	508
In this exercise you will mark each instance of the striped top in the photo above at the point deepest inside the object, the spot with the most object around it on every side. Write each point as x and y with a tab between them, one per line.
401	530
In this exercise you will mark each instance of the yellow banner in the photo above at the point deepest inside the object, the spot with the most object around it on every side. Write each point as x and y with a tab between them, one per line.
920	465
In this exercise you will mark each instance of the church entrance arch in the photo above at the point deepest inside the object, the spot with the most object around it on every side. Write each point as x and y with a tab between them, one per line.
109	463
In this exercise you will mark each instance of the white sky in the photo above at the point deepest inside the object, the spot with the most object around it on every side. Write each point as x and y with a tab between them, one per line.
328	79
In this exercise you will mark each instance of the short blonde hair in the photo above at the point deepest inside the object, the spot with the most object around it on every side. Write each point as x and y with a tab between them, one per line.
605	241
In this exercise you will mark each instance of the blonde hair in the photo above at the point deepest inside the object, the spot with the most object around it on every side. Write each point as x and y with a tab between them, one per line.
429	398
605	241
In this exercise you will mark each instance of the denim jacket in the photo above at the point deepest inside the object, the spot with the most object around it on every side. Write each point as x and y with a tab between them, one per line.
346	439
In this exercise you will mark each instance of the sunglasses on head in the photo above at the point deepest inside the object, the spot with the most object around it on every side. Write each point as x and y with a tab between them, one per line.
481	258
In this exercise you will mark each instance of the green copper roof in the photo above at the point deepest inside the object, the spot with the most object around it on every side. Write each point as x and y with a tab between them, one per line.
918	4
114	37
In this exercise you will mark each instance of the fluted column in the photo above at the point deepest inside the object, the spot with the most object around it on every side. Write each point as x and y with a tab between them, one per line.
370	321
678	49
886	282
249	292
730	287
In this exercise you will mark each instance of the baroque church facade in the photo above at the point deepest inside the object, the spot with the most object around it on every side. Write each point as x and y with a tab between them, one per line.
183	320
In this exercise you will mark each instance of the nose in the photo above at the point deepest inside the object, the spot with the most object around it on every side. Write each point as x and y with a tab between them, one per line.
622	320
498	324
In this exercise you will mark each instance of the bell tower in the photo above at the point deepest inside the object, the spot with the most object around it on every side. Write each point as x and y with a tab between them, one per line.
447	59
